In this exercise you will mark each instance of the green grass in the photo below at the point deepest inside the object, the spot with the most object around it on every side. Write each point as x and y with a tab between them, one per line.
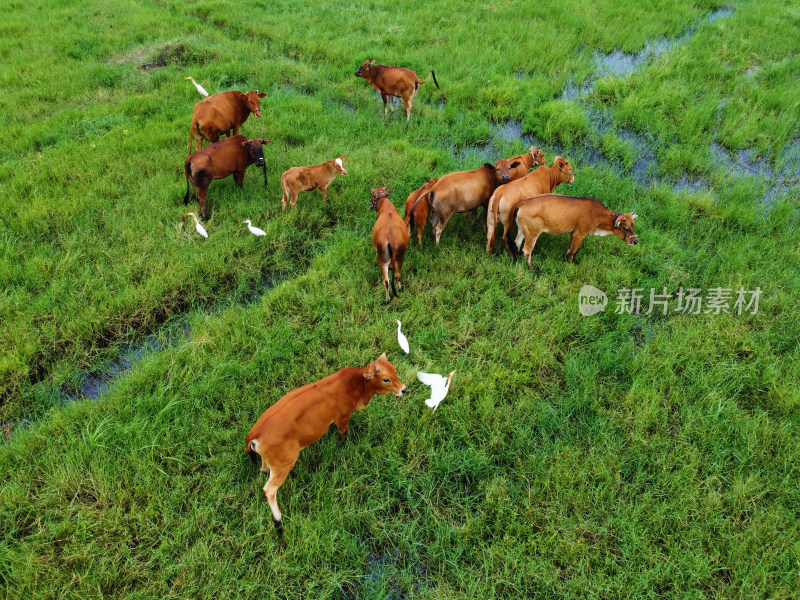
614	456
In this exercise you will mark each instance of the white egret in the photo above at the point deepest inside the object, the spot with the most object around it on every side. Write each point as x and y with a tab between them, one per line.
402	339
199	87
200	229
439	386
254	230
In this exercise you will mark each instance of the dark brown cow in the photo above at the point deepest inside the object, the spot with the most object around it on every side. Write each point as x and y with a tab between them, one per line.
556	214
466	191
417	213
390	238
230	156
303	415
393	82
222	113
542	181
306	179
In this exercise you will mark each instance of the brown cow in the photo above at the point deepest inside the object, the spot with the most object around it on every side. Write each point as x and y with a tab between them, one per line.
556	214
390	238
417	213
306	179
222	113
230	156
542	181
393	82
303	415
534	156
466	191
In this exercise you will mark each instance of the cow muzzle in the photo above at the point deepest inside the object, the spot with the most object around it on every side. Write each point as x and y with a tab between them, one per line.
260	162
633	240
401	392
256	113
505	178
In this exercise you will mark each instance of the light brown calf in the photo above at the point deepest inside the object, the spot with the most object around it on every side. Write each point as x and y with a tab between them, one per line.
393	82
542	181
390	238
417	213
222	113
307	179
303	415
556	214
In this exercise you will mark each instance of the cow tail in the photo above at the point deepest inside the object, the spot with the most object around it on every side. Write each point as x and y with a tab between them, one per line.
418	200
512	247
431	74
251	449
495	203
187	167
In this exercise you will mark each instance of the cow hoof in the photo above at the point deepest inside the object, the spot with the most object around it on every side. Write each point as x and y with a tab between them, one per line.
279	527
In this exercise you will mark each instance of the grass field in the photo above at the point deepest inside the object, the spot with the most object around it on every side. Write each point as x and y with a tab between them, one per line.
612	456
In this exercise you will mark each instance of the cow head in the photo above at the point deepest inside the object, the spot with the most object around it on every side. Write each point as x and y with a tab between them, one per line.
382	377
503	168
339	165
623	228
253	98
376	195
565	172
365	68
255	149
538	155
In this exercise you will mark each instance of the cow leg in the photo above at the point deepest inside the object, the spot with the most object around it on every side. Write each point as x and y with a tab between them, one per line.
527	250
574	243
398	267
409	105
324	192
201	200
235	130
293	201
441	223
341	424
238	177
277	475
473	216
385	110
519	239
385	271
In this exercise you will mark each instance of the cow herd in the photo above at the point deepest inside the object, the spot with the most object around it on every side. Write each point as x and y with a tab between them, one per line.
508	190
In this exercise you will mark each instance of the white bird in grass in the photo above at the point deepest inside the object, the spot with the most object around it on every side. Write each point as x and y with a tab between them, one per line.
254	230
439	387
402	339
200	229
199	87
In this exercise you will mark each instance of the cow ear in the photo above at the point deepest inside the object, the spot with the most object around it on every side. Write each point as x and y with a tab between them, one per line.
372	62
265	142
489	166
368	374
246	143
261	94
633	216
515	164
427	180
